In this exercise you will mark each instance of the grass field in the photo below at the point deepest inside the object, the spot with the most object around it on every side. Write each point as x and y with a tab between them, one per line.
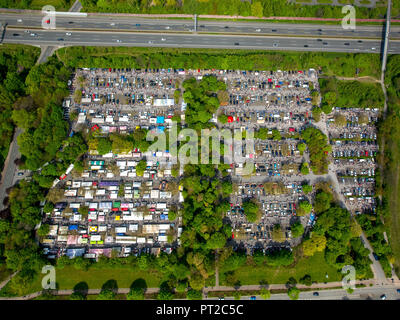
68	277
315	266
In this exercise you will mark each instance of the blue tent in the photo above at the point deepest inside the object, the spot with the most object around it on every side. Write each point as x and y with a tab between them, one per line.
73	227
160	119
160	129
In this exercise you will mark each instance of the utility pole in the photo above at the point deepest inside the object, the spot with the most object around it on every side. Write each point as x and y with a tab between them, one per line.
195	23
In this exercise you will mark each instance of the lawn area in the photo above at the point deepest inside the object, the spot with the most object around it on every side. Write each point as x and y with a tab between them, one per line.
68	277
315	266
339	64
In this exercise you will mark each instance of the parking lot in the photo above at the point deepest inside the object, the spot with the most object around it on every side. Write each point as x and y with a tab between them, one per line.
109	206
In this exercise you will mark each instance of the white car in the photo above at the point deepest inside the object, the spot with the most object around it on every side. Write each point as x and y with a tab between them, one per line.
258	30
373	48
19	20
68	33
33	34
167	27
119	41
150	41
163	39
112	24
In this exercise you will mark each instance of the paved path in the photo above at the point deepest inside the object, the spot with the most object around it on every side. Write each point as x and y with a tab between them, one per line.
76	7
3	283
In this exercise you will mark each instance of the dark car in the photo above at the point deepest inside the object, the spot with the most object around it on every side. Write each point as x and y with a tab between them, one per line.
253	298
375	256
236	43
137	24
15	34
346	44
306	46
316	294
60	39
398	290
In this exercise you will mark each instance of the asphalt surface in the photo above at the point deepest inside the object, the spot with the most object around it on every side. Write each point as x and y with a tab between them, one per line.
101	38
179	25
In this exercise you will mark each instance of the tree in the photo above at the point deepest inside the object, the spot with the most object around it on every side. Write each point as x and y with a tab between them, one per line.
316	243
322	201
293	293
304	208
306	188
355	229
141	167
276	135
196	281
316	113
301	147
251	210
223	118
104	146
80	296
181	286
265	294
106	294
43	230
297	229
304	169
48	207
165	292
237	295
257	9
306	280
136	293
194	295
81	263
330	98
83	210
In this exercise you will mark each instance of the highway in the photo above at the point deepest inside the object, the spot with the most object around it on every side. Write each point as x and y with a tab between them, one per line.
102	38
203	26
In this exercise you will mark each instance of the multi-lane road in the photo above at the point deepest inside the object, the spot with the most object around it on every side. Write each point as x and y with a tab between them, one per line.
103	38
169	25
133	31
